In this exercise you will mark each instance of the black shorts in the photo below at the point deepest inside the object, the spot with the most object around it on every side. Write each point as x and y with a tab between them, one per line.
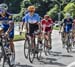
32	28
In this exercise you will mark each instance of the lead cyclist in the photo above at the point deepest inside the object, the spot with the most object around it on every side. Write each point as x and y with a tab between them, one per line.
7	25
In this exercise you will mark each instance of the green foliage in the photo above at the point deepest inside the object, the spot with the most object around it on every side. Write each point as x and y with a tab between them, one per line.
42	7
70	8
18	17
14	5
53	12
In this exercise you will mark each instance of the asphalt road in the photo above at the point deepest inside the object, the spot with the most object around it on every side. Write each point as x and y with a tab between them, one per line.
58	56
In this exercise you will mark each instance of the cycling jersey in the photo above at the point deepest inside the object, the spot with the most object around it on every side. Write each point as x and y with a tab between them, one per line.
68	24
32	21
5	24
47	24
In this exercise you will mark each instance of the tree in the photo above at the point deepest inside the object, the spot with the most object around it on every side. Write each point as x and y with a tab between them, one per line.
53	12
70	8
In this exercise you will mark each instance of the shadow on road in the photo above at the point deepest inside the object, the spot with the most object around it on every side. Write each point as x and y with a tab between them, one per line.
23	66
51	61
73	52
59	54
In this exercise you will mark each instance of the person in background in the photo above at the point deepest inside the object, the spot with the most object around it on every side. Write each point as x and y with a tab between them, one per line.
46	25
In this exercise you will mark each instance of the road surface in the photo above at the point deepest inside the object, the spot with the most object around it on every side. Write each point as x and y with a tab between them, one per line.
58	56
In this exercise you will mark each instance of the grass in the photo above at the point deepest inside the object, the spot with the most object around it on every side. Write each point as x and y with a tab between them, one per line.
19	37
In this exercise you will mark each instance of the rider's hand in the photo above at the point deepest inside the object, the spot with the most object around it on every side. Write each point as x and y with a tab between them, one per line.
6	34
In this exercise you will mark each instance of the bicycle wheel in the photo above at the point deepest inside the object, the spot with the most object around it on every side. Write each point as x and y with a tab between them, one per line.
7	62
39	48
31	52
45	46
68	45
8	57
63	40
26	48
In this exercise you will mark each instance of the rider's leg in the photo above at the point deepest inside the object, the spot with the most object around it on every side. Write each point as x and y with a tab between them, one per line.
50	40
12	45
11	36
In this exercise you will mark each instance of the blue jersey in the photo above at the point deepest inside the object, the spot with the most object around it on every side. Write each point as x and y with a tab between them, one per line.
31	19
5	24
68	22
23	19
5	20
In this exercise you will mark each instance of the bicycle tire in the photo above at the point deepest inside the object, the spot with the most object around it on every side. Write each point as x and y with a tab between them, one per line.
39	48
45	47
8	62
31	50
69	49
25	47
6	57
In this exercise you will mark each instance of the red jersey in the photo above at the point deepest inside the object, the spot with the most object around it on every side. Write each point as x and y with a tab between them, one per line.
46	24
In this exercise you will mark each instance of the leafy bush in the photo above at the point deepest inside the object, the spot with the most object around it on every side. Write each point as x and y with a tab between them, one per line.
53	12
70	8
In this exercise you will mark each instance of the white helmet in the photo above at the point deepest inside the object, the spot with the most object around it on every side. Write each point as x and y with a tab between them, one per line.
3	6
68	15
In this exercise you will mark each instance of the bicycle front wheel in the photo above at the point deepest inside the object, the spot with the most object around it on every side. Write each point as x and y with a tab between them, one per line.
26	48
31	52
6	62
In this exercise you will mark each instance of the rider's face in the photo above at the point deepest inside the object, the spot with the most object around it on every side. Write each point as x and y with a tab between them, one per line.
46	18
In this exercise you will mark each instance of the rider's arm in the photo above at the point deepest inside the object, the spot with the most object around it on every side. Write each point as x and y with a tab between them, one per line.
26	23
23	23
61	25
11	26
39	22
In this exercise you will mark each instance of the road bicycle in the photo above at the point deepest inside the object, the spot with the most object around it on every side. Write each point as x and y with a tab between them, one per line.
69	41
6	54
32	46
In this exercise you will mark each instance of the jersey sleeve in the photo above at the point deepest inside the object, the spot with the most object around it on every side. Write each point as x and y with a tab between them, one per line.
42	22
26	18
23	19
38	18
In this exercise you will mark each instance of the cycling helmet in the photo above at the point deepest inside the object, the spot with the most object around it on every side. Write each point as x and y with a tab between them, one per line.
31	8
46	16
3	7
68	15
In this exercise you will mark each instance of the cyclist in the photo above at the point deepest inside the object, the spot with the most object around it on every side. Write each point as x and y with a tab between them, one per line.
47	24
73	29
31	20
67	24
7	25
